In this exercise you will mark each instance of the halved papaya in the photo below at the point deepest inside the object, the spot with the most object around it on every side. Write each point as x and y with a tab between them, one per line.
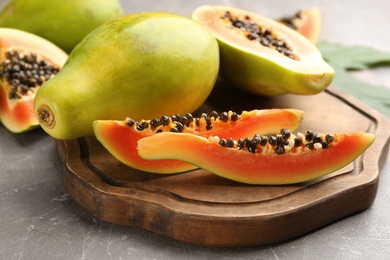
307	22
26	62
262	56
120	137
274	160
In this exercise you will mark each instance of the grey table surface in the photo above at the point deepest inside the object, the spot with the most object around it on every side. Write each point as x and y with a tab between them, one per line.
38	219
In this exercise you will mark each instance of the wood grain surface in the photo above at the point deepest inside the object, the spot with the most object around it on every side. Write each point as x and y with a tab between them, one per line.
201	208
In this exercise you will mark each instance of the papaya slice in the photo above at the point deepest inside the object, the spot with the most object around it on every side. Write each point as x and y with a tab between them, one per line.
120	137
26	62
262	56
307	22
284	158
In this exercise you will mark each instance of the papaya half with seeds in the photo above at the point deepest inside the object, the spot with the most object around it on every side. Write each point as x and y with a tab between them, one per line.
142	65
307	22
120	137
65	22
26	62
274	160
262	56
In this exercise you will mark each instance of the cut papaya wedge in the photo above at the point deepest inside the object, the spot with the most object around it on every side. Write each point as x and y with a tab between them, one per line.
307	22
120	137
26	62
282	159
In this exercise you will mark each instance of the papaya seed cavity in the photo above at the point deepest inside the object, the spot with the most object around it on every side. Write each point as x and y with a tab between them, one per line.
280	143
25	71
254	32
178	123
46	117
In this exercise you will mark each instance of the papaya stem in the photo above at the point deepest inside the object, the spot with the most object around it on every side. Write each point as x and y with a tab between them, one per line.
46	117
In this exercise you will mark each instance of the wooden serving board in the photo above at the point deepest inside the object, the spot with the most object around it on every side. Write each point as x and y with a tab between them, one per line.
201	208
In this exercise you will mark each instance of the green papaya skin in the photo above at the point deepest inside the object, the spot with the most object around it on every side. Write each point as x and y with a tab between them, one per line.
63	22
261	70
143	65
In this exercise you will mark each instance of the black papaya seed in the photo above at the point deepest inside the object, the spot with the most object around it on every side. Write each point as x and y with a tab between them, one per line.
280	149
230	142
247	142
297	142
264	140
309	135
139	127
130	121
286	133
179	127
184	120
155	122
145	124
234	117
224	116
317	138
213	114
197	121
279	140
329	138
240	143
310	145
256	139
189	116
164	120
272	140
222	142
252	148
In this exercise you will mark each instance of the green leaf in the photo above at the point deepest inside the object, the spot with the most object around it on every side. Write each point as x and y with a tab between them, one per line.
353	57
344	59
375	96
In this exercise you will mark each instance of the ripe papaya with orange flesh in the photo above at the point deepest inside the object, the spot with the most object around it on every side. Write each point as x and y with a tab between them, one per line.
120	137
307	22
26	62
143	65
65	22
262	56
274	160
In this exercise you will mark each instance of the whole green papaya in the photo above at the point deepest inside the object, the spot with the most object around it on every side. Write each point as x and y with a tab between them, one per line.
63	22
143	65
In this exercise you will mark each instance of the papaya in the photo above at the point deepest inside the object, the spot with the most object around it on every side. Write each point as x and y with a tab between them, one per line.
26	62
63	22
279	159
120	137
262	56
142	65
307	22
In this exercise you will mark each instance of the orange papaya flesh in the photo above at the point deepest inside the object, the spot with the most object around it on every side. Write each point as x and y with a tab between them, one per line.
120	137
286	162
307	22
26	62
